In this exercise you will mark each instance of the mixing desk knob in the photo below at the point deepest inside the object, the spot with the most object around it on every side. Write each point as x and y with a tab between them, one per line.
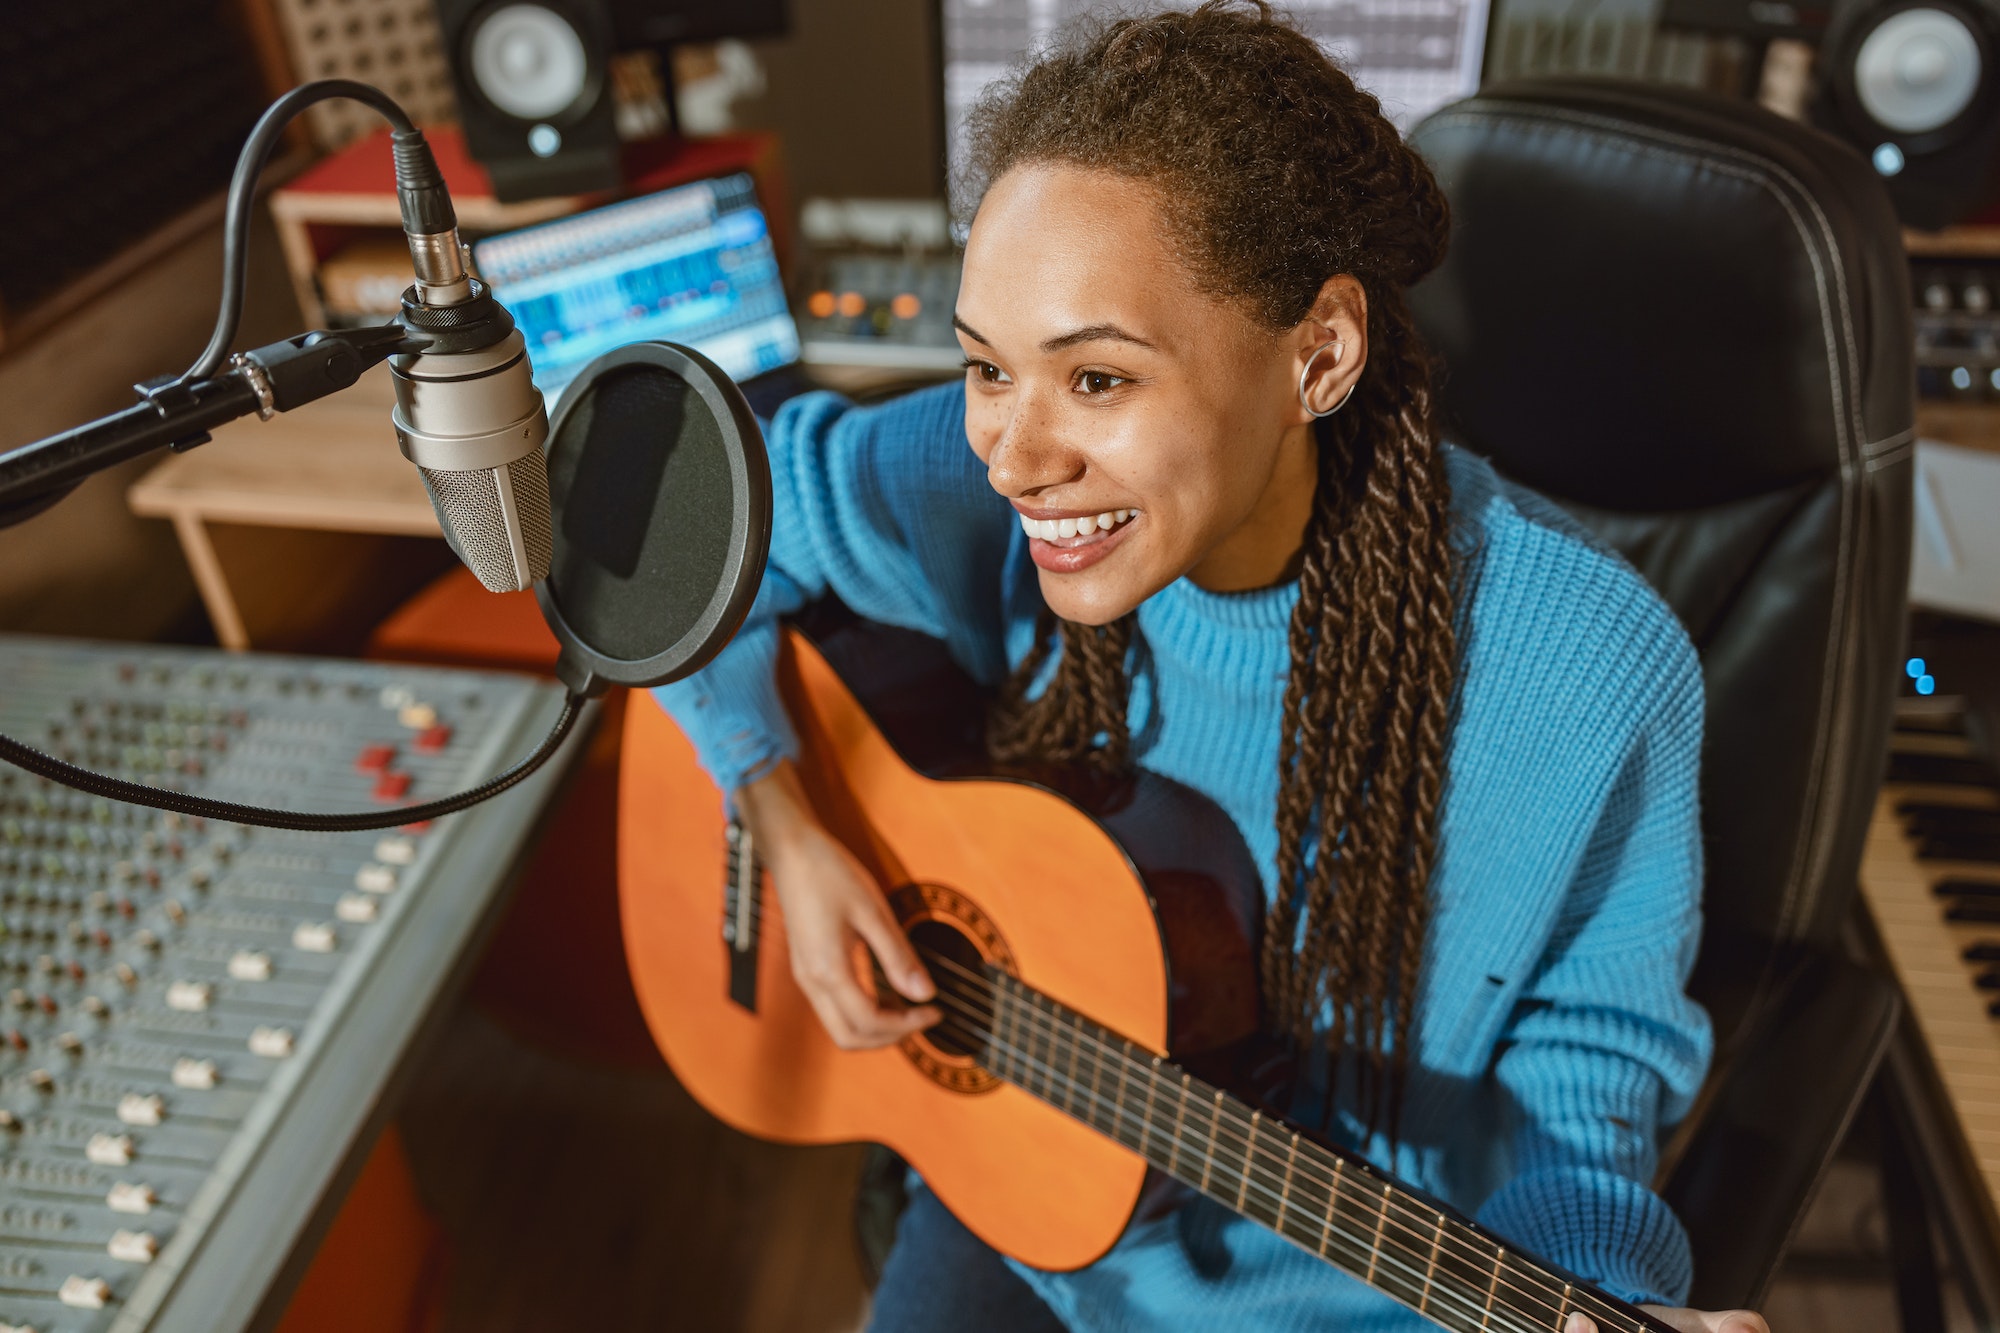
250	965
395	852
313	937
70	1043
373	878
109	1149
42	1080
134	1247
9	1123
190	997
141	1108
126	976
192	1073
84	1293
271	1043
358	908
417	717
95	1007
126	1197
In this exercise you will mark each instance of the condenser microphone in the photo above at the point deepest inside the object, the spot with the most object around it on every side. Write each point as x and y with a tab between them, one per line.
467	411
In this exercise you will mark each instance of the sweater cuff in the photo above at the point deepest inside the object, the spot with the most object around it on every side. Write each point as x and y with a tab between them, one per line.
731	712
1603	1227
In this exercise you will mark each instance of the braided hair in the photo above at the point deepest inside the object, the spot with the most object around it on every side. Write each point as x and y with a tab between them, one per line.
1275	173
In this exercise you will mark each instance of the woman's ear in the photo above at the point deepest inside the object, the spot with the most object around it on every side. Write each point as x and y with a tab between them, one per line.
1331	345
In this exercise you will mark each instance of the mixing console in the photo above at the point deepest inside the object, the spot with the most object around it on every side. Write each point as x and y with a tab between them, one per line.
198	1020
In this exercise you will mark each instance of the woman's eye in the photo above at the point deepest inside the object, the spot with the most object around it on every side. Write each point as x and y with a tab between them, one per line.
1098	381
986	372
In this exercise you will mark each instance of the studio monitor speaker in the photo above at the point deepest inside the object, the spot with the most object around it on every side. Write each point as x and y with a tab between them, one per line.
534	92
1913	83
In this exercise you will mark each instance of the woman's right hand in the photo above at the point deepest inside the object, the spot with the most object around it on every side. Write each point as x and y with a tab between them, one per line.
830	902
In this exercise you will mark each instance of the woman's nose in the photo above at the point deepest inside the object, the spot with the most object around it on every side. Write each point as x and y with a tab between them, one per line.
1030	455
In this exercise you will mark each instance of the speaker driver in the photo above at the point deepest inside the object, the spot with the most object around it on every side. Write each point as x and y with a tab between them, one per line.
1918	70
527	61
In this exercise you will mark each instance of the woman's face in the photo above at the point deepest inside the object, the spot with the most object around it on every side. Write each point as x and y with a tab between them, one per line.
1141	428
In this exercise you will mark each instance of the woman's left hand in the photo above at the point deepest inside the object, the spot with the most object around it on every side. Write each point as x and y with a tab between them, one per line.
1687	1321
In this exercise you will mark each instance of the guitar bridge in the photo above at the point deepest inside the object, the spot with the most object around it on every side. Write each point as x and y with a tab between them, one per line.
741	911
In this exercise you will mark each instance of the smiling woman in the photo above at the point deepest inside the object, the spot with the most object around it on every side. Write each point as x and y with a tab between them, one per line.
1189	512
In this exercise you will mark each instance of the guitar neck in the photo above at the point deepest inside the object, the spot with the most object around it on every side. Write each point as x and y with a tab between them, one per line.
1331	1203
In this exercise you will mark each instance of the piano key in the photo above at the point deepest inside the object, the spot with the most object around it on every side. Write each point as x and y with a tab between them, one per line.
1960	886
1958	847
1936	817
1973	909
1986	951
1944	770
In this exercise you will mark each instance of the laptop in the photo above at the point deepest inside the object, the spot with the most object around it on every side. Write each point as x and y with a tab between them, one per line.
692	264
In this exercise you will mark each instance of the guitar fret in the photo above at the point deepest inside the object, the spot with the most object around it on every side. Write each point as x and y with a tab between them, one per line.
1208	1154
1069	1077
1096	1101
1249	1153
1146	1116
1285	1186
1375	1245
1332	1202
1180	1115
1430	1269
1562	1310
1493	1286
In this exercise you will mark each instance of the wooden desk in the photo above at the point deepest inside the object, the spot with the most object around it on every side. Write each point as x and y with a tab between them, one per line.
303	529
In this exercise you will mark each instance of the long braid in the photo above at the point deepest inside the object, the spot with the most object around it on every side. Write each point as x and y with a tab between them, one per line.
1278	173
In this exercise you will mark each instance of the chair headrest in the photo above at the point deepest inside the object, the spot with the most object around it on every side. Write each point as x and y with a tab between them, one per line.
1657	299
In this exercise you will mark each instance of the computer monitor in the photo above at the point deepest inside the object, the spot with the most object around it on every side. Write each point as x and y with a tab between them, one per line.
1415	55
691	265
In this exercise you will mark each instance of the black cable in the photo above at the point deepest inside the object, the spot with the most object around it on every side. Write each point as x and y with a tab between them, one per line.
117	789
243	195
421	190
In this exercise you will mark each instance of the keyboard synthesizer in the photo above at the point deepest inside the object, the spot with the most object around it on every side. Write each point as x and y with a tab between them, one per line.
200	1021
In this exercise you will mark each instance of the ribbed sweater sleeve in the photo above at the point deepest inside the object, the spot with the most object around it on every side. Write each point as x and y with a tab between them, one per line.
1604	1047
886	508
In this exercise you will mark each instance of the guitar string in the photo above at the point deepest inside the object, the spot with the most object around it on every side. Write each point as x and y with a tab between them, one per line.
1434	1239
1506	1318
1547	1295
1382	1209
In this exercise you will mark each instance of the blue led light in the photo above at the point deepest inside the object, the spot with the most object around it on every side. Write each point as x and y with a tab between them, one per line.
1925	685
1961	378
1914	667
1888	159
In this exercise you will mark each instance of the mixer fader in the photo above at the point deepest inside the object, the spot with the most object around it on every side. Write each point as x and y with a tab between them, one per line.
198	1019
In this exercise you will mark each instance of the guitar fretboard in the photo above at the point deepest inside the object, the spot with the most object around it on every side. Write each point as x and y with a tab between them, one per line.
1335	1205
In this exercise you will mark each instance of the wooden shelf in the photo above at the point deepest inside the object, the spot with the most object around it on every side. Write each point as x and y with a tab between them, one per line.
1969	425
1954	243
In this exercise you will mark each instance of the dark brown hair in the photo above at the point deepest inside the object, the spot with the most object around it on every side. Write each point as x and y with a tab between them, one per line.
1274	173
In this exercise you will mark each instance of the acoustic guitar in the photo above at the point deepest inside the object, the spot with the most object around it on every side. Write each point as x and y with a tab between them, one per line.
1093	946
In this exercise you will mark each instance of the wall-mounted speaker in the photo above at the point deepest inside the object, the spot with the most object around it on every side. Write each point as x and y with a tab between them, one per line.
1914	84
534	92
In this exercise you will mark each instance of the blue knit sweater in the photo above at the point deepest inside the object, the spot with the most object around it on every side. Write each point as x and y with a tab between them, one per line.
1554	1039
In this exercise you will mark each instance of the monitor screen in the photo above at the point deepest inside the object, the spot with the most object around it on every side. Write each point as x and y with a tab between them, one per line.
691	265
1415	55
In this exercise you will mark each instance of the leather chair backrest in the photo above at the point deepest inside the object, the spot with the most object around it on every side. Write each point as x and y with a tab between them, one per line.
1688	321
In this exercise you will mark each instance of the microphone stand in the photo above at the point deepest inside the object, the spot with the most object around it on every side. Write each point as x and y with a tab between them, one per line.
178	414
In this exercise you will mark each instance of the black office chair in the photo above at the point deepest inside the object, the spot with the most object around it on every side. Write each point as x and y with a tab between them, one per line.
1688	321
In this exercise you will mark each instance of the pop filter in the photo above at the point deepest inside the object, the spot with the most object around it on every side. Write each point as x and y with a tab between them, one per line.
661	495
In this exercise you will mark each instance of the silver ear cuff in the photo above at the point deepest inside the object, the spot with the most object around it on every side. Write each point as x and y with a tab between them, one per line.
1339	348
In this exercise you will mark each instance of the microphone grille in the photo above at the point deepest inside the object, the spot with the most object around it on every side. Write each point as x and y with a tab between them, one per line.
472	509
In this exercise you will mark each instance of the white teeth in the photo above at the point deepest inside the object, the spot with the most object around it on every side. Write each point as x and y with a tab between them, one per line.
1051	529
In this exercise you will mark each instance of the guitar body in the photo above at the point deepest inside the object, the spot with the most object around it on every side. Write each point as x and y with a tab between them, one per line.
1134	904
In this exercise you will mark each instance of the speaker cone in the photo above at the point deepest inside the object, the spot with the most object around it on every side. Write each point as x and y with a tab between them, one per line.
528	61
1918	70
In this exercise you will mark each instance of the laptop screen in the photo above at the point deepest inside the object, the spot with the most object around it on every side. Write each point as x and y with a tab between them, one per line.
691	265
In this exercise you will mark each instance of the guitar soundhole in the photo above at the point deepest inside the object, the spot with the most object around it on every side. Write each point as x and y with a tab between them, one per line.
954	960
959	943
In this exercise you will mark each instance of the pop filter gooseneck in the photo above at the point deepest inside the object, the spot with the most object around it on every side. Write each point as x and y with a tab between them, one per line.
662	496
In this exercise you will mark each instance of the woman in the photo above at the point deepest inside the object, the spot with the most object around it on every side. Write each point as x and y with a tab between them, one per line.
1189	511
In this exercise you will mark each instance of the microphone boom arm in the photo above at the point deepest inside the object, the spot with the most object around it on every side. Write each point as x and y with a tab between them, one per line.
179	414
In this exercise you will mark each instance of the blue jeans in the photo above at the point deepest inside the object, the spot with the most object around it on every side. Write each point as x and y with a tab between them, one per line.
940	1277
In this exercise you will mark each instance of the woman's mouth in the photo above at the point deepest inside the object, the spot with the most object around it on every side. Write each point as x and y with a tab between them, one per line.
1068	545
